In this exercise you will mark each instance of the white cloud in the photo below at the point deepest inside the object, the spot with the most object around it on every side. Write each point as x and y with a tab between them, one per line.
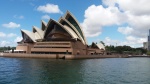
11	25
19	17
49	8
97	16
130	41
46	17
135	40
109	2
131	38
134	13
4	43
10	42
11	35
18	39
109	41
137	7
125	30
2	34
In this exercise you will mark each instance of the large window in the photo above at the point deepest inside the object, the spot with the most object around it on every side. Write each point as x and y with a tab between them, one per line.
73	22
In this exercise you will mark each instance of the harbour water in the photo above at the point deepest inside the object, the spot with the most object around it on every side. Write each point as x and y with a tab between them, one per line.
87	71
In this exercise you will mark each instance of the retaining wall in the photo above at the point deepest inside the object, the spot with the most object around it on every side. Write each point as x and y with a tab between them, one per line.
59	56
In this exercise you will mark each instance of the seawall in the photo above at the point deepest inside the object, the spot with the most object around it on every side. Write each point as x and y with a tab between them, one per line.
94	56
59	56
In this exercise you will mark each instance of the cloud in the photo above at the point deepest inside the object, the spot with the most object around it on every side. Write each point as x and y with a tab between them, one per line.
46	17
49	8
130	41
19	17
136	7
131	16
96	17
11	25
134	40
11	35
2	34
8	42
18	38
125	30
4	43
109	41
137	15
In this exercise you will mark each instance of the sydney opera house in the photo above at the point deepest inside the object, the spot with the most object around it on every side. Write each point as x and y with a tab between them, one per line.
64	36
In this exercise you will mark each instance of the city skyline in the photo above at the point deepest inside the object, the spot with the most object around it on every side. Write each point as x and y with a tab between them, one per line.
113	22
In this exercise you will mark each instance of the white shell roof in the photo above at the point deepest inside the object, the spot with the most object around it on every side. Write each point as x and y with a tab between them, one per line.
75	30
100	46
68	13
37	36
70	31
44	22
43	27
39	31
30	34
66	28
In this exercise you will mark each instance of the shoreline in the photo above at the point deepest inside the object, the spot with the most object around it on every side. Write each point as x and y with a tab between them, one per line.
59	56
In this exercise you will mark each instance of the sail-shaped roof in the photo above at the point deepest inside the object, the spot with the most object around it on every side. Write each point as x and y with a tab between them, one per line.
39	32
67	27
51	24
28	36
68	16
43	25
63	21
99	45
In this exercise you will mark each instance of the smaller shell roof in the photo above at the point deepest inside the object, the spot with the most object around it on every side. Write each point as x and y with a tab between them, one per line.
29	34
80	29
39	31
66	28
73	34
73	28
43	25
100	46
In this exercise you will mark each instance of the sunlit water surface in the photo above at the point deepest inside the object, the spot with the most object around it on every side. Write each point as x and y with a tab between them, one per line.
87	71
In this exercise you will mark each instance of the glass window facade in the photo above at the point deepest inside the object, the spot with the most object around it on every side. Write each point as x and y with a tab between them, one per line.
74	23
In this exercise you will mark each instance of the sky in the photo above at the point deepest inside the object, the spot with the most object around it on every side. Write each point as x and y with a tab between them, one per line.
115	22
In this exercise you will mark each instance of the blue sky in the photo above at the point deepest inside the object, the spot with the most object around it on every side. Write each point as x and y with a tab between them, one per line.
115	22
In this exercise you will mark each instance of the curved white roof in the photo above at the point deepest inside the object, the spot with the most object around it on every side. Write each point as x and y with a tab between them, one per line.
37	36
39	31
68	13
66	28
71	31
69	27
100	46
75	30
31	35
43	25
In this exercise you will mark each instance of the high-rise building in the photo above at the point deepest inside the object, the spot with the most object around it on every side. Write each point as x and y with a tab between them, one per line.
146	45
148	42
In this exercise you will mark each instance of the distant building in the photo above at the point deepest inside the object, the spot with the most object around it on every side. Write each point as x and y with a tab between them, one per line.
148	42
146	45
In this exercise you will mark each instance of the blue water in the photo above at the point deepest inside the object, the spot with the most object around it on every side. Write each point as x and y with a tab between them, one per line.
88	71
